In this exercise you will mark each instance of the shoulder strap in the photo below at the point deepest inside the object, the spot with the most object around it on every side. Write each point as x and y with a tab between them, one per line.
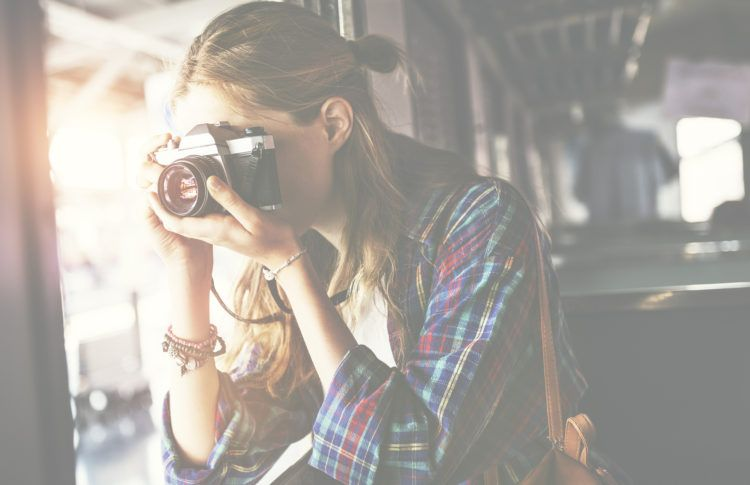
551	383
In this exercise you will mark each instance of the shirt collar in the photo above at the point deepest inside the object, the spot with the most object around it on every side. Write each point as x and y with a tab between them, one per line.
423	215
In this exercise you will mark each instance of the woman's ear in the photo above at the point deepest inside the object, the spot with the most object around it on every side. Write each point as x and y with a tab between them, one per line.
338	117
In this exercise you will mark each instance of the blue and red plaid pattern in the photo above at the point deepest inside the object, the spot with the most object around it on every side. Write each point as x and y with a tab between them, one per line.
468	394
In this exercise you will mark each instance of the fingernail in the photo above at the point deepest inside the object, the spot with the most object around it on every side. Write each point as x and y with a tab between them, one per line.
213	182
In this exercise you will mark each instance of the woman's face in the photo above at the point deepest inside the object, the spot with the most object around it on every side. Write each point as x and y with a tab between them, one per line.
303	155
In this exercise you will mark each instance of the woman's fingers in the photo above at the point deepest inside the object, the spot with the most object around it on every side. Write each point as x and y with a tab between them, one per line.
171	222
149	170
154	227
155	142
148	173
233	231
247	215
212	228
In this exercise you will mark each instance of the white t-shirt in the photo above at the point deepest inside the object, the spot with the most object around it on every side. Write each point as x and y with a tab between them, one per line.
371	329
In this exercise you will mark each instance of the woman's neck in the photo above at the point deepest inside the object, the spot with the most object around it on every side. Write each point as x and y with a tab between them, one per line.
331	225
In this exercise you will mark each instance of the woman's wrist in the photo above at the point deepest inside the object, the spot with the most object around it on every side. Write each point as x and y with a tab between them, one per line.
272	273
297	275
282	255
189	297
185	275
186	278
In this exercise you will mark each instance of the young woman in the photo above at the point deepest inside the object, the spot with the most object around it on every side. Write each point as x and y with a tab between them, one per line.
430	371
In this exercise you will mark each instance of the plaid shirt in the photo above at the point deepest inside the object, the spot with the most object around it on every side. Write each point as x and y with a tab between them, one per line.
468	394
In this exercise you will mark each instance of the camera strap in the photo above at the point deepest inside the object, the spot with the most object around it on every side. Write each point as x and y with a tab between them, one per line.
336	299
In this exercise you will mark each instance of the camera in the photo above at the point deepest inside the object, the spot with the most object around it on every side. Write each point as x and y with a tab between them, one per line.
244	159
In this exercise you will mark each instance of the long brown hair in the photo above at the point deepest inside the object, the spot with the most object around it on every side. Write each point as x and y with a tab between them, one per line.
282	57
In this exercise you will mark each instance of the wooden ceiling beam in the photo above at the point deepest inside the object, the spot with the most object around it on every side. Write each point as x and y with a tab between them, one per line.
590	29
179	20
530	15
581	16
486	51
512	42
639	38
74	24
564	35
539	44
608	55
615	26
564	54
641	28
95	87
571	77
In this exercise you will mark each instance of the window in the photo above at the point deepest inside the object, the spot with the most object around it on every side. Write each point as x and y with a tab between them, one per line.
710	165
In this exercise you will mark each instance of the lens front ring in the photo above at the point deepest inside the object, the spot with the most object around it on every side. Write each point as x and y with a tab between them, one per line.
182	186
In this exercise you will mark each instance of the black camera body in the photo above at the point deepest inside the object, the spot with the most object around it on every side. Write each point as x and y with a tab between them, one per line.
243	158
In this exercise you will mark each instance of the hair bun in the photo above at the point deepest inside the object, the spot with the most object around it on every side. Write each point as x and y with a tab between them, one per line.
377	52
354	46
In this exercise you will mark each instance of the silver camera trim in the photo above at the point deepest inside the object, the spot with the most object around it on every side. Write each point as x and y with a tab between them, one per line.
205	145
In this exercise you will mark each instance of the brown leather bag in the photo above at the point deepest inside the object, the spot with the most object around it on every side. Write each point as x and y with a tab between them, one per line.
567	462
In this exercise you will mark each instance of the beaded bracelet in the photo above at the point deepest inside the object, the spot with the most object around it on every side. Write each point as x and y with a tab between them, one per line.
187	363
191	355
174	348
208	342
170	343
203	348
187	360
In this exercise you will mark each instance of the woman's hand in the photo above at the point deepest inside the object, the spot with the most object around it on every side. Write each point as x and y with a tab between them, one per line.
183	256
262	236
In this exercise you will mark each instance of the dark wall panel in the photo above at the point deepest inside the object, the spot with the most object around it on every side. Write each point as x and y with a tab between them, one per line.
36	428
670	392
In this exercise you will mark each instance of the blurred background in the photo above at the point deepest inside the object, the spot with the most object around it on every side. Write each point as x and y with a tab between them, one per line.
625	122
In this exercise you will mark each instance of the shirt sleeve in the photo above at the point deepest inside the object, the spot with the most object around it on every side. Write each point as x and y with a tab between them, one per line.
245	447
379	424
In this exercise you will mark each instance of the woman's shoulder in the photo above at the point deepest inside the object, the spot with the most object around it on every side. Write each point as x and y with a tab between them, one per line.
445	197
490	208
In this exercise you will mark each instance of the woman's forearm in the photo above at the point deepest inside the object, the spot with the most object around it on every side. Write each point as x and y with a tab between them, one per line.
326	335
193	396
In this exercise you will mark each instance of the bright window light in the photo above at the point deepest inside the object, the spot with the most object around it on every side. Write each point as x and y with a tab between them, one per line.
696	136
711	165
87	155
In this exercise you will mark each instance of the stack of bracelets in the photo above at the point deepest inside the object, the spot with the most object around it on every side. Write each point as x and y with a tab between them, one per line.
191	355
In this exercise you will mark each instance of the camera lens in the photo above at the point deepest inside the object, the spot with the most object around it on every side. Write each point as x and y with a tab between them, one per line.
182	186
181	189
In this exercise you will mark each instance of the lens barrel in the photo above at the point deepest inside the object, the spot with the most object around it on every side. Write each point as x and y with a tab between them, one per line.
182	186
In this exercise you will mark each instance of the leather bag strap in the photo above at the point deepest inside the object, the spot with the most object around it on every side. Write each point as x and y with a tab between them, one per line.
579	433
551	383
